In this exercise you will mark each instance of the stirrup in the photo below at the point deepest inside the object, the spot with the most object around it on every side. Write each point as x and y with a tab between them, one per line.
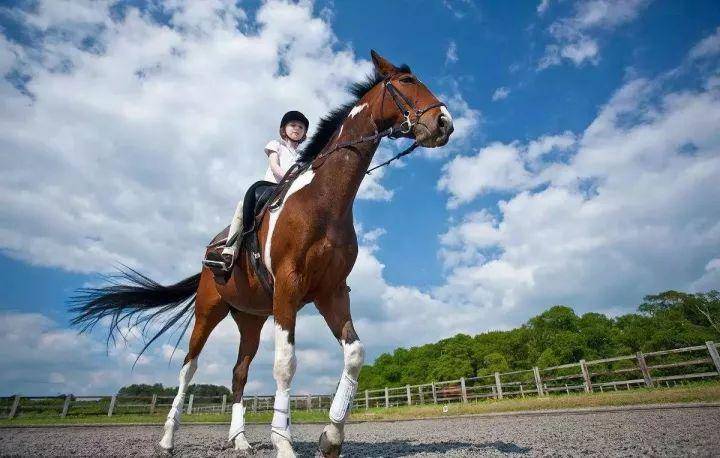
215	261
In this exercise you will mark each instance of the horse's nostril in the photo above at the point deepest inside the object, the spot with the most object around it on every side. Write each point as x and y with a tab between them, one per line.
442	121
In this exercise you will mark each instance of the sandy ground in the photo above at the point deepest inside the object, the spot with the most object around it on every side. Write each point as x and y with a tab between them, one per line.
653	432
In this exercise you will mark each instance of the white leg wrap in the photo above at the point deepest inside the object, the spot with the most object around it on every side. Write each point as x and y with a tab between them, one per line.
343	398
237	423
281	415
173	418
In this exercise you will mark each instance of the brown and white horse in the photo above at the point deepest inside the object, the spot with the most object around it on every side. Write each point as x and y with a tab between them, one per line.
309	246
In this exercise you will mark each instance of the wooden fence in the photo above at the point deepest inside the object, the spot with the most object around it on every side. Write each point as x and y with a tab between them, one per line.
659	368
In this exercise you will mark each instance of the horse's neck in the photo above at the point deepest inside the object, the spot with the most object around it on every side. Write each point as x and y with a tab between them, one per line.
344	169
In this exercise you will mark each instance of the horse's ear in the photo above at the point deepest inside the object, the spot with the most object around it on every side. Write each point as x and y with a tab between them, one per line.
382	65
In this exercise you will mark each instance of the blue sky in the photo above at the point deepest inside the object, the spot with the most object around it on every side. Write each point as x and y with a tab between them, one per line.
583	170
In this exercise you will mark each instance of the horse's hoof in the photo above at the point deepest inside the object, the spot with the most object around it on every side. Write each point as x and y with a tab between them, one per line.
327	449
162	451
245	451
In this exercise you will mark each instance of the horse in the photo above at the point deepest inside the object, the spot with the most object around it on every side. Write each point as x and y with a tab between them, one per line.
309	246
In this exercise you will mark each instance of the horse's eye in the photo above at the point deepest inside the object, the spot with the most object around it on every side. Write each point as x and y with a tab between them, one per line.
407	79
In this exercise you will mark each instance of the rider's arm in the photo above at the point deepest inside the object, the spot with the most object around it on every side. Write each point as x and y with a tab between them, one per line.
274	159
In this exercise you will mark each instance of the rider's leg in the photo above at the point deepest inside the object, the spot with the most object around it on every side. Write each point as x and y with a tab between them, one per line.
235	226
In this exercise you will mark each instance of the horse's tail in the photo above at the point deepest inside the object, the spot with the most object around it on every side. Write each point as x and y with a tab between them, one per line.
137	304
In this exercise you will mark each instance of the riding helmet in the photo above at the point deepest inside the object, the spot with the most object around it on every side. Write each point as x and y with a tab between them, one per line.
294	116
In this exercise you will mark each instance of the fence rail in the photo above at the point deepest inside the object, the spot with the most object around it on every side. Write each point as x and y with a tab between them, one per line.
620	372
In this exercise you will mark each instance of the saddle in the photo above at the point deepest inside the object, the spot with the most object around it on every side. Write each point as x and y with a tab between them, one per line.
259	197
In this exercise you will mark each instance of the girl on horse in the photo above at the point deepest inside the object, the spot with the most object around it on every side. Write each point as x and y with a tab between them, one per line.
282	154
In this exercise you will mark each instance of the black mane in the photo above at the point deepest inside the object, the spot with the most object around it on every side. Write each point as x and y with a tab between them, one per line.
331	122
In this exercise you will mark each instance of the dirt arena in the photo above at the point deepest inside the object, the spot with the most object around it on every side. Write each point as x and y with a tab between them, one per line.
679	431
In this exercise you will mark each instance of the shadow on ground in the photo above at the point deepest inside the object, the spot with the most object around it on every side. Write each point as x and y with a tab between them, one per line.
400	448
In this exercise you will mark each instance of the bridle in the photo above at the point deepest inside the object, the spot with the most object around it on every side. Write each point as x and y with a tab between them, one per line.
406	107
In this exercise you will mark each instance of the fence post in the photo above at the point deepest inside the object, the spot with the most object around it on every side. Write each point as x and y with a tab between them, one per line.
586	376
538	381
223	403
367	400
463	390
644	369
254	404
409	396
434	393
153	403
190	404
387	398
712	349
420	394
309	402
66	405
15	405
522	393
498	384
113	399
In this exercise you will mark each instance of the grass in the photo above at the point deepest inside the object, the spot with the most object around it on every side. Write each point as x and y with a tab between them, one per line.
698	392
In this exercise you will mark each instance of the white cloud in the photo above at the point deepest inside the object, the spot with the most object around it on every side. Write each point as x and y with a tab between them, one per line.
633	210
461	8
543	6
575	37
143	148
580	51
709	46
500	167
547	143
451	55
500	93
496	167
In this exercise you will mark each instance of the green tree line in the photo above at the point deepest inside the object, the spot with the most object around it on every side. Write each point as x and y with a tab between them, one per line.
557	336
199	390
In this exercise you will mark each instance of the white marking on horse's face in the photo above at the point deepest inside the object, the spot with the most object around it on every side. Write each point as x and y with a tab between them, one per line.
299	183
444	110
285	362
340	133
357	109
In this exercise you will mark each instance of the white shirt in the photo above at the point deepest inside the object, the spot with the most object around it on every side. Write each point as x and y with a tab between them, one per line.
287	154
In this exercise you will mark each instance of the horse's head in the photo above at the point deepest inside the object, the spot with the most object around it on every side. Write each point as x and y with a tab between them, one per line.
404	100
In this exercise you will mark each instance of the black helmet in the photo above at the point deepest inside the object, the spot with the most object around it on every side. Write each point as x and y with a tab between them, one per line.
294	116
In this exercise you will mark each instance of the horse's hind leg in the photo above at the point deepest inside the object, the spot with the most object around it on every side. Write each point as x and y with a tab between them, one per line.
335	308
249	327
209	311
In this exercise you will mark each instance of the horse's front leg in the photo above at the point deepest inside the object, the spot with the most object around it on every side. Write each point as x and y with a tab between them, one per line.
335	308
285	304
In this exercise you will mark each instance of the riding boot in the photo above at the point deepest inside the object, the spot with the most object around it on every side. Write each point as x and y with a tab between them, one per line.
221	263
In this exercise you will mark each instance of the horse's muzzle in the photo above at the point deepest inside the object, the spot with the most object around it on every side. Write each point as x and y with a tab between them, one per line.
434	132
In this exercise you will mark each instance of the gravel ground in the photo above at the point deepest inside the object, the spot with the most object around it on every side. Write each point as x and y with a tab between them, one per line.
660	432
